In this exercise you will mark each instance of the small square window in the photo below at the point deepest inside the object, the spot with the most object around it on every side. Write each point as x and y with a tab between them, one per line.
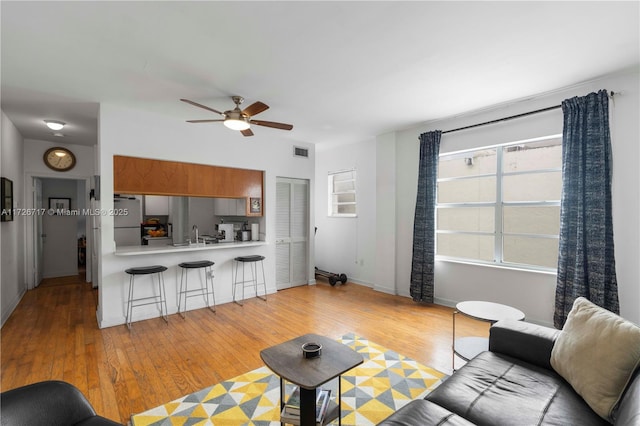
342	194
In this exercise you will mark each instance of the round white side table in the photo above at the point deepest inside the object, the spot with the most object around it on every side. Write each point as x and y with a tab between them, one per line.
468	347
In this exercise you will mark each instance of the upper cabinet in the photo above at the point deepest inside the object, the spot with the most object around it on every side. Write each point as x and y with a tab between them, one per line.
230	206
156	205
158	177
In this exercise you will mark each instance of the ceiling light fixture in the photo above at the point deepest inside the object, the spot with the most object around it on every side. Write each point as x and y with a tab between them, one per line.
235	120
58	134
54	124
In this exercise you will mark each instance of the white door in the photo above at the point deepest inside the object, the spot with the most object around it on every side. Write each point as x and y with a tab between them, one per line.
292	232
60	252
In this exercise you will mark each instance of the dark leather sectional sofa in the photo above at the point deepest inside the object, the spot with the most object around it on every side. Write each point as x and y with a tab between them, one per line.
513	383
49	403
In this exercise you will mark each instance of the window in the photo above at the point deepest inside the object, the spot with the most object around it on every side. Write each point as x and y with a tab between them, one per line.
342	194
501	204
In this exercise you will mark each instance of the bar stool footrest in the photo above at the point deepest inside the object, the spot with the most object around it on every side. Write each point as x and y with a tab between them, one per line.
203	290
253	282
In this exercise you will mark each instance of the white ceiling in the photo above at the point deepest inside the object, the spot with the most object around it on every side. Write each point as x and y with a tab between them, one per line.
340	72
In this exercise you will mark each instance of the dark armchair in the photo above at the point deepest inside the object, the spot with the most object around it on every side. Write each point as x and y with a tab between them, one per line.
50	403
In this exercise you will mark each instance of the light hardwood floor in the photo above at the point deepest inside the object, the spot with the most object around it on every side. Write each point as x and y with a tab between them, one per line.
53	334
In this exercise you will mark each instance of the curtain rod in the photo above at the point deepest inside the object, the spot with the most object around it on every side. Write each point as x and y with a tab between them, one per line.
503	119
611	94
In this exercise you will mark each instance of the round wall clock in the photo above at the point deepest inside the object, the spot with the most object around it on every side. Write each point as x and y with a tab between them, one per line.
59	159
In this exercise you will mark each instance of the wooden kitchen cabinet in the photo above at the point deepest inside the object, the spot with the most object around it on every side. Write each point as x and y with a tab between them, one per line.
132	175
143	176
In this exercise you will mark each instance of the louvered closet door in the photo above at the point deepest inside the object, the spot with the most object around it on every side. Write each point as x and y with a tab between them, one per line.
292	227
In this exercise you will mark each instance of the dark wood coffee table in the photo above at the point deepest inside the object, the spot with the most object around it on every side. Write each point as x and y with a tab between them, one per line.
288	362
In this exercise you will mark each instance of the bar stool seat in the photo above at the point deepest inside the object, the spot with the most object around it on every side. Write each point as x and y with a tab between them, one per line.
159	299
252	260
203	290
196	264
143	270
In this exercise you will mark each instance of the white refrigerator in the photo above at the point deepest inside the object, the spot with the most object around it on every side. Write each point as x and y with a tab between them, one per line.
127	227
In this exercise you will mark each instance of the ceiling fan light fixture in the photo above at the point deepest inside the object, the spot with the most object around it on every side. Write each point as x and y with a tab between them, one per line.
54	124
235	124
235	120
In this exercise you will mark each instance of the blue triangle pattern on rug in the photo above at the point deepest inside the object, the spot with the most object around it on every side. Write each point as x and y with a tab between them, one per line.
383	383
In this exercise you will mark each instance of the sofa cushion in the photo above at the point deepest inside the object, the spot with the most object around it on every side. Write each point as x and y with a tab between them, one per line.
423	413
597	353
529	342
495	389
628	411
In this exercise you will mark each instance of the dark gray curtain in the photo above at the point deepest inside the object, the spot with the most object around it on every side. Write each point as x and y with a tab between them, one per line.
424	221
586	264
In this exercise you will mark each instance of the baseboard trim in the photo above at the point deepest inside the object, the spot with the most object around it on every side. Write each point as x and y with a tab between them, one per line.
61	273
6	312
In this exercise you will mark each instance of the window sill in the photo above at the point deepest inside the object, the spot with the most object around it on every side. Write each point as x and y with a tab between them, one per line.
497	266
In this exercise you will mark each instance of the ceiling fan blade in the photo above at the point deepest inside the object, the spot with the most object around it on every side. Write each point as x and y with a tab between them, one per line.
255	109
203	121
273	124
201	106
246	132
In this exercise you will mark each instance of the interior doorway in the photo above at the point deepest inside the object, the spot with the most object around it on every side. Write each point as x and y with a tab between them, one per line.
292	232
58	236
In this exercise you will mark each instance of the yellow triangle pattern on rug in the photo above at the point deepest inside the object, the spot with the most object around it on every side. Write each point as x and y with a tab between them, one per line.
385	382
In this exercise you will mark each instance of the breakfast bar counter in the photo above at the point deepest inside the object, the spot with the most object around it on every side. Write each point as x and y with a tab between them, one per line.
169	248
114	289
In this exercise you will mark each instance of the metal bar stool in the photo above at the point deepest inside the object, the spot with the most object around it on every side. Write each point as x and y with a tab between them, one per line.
160	299
253	266
203	290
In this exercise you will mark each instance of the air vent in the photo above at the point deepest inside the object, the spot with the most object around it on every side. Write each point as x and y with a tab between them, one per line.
300	152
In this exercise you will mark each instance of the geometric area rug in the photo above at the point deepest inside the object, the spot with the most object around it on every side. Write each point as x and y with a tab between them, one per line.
385	382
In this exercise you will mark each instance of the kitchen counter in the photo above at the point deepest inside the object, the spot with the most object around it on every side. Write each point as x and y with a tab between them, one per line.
141	250
115	284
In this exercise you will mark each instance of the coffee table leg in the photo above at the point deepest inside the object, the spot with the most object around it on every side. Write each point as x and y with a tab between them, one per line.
339	400
307	407
453	343
282	396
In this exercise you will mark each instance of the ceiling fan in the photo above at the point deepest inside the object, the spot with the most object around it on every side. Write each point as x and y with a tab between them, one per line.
238	119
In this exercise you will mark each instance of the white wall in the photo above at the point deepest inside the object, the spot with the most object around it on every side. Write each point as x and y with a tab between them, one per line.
33	164
386	222
390	190
140	134
12	247
347	244
60	188
531	292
